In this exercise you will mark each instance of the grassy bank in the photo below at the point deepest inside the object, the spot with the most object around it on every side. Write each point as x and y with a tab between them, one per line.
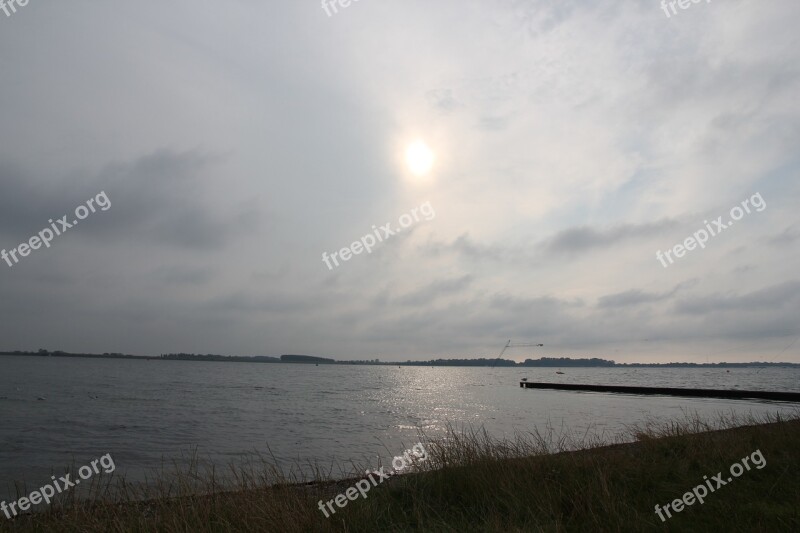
474	483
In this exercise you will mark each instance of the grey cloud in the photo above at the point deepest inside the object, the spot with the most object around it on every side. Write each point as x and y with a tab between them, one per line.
585	238
637	297
443	100
434	290
571	241
183	275
661	119
742	269
628	298
241	303
521	305
493	123
461	324
155	198
465	246
773	297
26	203
786	237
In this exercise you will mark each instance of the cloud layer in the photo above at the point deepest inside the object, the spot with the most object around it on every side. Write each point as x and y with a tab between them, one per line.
573	141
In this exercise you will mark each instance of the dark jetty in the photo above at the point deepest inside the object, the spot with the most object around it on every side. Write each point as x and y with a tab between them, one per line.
666	391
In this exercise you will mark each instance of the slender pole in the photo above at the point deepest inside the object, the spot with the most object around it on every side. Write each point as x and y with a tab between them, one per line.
509	345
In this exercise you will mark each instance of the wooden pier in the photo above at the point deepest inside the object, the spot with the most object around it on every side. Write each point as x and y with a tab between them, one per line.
667	391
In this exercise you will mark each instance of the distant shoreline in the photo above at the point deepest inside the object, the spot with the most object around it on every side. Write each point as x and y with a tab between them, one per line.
544	362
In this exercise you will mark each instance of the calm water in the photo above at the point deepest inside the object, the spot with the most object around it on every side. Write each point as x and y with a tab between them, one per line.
144	411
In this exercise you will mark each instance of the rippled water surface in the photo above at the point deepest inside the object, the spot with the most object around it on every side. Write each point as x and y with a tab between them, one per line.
144	411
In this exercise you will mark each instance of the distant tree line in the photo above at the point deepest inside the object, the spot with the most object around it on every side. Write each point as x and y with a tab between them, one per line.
306	359
59	353
461	362
481	362
566	361
594	362
223	358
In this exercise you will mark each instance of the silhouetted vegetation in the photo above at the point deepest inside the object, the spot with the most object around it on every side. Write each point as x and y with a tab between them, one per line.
550	481
223	358
306	359
549	362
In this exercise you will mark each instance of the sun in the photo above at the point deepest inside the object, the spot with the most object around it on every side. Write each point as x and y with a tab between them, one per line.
419	158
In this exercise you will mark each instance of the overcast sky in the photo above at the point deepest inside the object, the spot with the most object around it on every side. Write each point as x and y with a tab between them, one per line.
237	141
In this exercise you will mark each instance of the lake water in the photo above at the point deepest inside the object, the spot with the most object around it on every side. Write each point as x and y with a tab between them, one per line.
144	411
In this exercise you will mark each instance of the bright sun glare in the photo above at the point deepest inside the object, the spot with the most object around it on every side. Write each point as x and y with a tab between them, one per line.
419	158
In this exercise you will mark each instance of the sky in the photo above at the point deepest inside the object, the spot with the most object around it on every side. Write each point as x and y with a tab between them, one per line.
239	142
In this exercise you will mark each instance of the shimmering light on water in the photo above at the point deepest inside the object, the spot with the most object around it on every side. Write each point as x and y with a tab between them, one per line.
142	411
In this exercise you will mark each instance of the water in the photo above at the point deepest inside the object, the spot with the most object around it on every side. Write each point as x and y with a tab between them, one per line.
142	412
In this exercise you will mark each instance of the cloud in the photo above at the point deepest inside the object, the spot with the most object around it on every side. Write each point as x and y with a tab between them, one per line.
634	297
434	290
777	297
465	246
585	238
443	100
155	198
573	139
570	241
786	237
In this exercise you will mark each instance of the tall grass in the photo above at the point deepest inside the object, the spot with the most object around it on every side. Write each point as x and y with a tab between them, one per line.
549	480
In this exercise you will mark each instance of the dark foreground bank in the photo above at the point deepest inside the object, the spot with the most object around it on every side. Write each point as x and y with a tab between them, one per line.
474	483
